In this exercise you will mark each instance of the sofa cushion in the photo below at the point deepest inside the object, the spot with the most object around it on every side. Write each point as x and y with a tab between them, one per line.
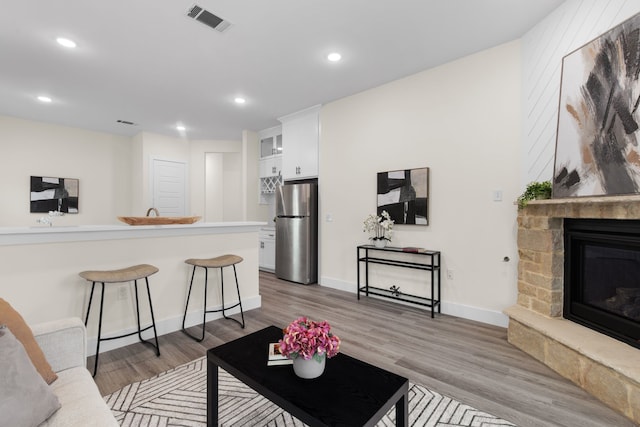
82	404
25	399
10	317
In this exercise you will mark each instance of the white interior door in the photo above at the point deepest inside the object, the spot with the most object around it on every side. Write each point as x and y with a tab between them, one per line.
169	187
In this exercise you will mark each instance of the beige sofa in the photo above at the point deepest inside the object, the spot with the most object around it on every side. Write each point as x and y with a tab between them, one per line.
64	343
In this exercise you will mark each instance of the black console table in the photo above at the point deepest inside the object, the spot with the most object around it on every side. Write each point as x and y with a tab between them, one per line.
369	254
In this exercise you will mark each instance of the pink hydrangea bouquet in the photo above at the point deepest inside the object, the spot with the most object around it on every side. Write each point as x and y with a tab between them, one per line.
308	339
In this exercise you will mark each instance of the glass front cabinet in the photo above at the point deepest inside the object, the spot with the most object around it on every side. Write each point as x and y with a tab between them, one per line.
270	172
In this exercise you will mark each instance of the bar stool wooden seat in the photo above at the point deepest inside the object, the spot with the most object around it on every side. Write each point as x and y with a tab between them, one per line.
129	274
207	263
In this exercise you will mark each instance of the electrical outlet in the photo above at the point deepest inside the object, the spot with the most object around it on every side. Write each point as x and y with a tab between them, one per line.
449	274
122	292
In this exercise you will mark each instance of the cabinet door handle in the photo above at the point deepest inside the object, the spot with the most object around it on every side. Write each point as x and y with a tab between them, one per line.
273	169
261	245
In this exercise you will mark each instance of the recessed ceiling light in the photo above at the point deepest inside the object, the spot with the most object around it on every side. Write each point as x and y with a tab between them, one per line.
181	128
43	98
66	42
334	57
239	100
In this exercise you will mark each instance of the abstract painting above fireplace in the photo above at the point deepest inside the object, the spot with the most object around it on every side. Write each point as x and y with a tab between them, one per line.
597	151
602	276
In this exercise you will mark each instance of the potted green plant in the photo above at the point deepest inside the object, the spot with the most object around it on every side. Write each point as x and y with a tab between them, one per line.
534	191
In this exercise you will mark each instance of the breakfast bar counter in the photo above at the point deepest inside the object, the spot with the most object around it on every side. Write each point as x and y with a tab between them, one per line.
39	269
50	234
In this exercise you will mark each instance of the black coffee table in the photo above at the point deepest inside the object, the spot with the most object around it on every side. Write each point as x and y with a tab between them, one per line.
349	392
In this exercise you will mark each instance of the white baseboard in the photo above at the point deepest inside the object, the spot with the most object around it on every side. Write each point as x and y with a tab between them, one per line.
167	326
477	314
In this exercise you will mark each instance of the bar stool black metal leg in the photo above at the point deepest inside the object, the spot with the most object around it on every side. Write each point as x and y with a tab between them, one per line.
222	291
86	319
187	306
135	287
95	365
184	318
153	319
239	299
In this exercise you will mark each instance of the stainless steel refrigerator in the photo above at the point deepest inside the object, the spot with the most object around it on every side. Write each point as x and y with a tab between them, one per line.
297	232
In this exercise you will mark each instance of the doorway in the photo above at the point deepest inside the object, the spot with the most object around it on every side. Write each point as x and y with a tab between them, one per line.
223	187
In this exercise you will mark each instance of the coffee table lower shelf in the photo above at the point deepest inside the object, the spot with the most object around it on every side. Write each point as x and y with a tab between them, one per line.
349	393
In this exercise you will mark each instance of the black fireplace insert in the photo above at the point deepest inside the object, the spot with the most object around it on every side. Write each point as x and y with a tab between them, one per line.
602	276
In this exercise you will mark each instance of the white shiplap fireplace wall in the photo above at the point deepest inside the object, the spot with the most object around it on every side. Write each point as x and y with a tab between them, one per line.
570	26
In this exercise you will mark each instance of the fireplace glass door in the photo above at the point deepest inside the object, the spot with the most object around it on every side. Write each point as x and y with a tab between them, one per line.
602	276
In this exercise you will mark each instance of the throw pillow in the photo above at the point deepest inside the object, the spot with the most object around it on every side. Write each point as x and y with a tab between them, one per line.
20	329
25	399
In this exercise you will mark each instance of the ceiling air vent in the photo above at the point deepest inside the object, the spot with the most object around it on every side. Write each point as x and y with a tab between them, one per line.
208	18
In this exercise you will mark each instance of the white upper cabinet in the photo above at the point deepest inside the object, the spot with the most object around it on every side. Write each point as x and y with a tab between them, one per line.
270	142
300	144
270	152
271	166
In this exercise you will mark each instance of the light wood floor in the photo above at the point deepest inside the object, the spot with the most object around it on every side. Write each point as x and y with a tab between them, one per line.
468	361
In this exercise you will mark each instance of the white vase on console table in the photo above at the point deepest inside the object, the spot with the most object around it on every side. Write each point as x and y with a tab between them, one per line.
380	243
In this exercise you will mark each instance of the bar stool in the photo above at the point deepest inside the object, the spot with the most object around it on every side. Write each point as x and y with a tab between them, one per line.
217	262
129	274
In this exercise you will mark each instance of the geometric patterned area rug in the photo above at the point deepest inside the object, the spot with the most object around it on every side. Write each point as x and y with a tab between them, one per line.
178	397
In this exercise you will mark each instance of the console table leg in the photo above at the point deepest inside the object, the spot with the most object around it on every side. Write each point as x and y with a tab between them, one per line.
212	394
433	296
358	265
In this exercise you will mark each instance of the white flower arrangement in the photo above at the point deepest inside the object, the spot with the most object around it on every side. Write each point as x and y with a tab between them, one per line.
380	226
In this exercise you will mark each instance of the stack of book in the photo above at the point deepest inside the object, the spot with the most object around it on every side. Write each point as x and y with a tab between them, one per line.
414	250
275	357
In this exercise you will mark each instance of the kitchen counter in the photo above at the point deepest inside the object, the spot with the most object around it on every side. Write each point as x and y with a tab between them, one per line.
39	269
46	234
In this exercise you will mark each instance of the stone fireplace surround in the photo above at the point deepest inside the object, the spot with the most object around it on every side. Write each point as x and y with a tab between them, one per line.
603	366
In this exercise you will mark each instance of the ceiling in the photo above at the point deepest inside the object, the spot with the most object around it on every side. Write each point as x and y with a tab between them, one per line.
146	62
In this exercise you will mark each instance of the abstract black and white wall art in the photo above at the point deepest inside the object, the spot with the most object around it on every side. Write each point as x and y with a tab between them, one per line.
54	194
597	150
404	194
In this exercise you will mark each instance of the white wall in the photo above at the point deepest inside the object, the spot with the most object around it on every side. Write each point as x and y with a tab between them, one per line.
572	25
233	187
102	163
255	211
214	189
463	121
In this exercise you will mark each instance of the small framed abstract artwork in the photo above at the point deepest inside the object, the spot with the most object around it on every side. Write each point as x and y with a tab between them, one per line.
597	143
404	194
54	194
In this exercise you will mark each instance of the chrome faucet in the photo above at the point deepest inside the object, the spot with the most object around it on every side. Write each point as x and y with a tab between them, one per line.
154	210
